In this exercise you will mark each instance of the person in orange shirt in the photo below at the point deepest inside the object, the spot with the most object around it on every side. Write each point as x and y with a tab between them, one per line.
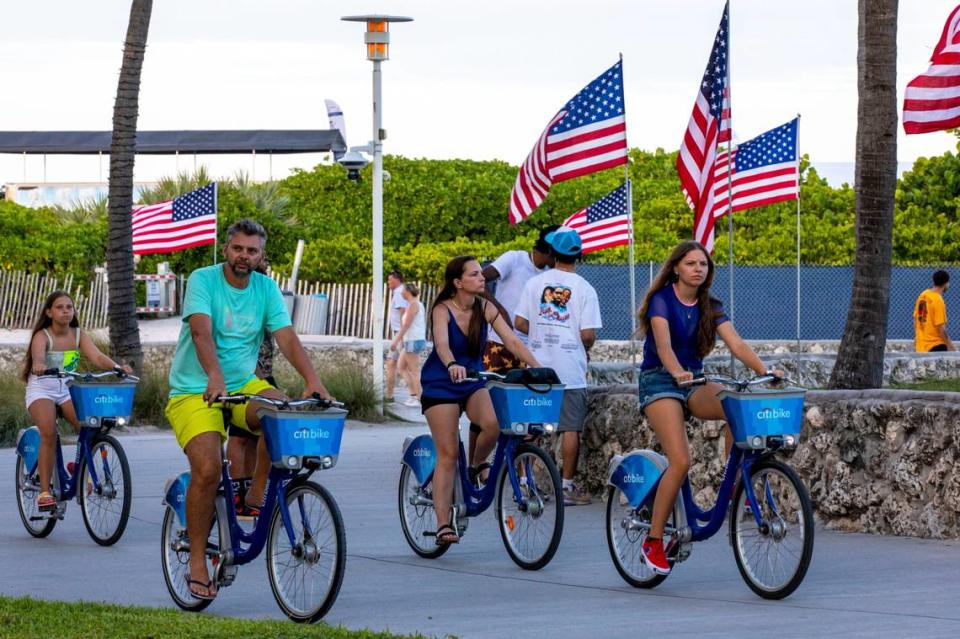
930	317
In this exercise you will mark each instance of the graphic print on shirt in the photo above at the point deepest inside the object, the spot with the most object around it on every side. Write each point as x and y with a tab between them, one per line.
922	312
554	303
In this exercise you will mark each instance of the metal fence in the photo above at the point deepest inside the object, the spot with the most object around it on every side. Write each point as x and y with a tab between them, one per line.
765	298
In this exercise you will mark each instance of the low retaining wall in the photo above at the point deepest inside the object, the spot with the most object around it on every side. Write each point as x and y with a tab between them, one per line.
877	461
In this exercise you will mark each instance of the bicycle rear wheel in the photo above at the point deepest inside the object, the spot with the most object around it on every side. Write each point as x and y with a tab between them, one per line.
175	559
306	576
531	529
773	558
627	527
106	509
37	524
417	515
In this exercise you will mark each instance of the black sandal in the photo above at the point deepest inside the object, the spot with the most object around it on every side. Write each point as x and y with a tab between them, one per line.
447	535
474	473
212	590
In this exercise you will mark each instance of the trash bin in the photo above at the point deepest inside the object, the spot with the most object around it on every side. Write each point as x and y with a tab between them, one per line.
310	315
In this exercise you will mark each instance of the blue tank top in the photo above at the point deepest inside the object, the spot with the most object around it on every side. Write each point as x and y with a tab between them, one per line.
435	378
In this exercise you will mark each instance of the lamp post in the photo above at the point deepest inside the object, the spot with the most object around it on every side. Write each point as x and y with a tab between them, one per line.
377	39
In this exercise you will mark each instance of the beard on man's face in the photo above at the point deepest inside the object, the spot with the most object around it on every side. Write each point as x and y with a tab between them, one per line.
242	266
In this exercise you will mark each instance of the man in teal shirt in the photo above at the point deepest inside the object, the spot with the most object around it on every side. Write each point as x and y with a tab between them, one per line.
226	308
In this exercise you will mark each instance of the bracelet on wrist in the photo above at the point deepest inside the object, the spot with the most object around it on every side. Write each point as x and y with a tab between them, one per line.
453	363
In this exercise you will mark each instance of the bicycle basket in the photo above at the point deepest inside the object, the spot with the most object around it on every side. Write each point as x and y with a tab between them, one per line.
292	436
762	417
96	400
530	403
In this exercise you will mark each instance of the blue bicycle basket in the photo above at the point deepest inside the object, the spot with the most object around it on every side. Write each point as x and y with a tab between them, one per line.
757	416
102	399
293	435
528	397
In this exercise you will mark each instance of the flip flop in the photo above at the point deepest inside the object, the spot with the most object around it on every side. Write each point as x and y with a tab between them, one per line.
209	585
447	535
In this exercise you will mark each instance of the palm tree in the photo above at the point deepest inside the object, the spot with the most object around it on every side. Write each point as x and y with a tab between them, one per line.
860	358
122	314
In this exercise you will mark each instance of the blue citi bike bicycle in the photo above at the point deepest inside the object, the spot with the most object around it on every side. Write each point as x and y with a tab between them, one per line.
300	523
523	479
771	518
99	475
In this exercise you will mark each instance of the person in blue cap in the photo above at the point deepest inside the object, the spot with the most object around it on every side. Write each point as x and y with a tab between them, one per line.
560	313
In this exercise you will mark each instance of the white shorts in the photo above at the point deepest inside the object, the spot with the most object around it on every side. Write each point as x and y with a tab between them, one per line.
50	388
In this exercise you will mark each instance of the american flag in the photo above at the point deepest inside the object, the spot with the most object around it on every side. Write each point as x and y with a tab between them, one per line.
604	223
186	221
588	134
765	170
932	99
709	125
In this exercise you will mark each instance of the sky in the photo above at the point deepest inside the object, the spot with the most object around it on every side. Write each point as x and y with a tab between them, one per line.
476	80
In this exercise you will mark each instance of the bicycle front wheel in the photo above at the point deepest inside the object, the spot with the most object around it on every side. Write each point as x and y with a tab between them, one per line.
37	524
531	527
105	508
773	558
306	576
627	527
175	559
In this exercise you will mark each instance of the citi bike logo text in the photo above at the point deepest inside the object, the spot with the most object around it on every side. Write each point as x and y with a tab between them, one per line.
107	399
633	478
538	401
773	413
312	433
421	452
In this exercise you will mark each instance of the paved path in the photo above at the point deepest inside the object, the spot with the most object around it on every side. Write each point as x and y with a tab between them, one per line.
858	585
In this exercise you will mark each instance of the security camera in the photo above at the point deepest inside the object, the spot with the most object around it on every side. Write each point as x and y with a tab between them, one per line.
354	162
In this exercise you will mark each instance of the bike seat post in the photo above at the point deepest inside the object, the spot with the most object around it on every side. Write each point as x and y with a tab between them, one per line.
459	503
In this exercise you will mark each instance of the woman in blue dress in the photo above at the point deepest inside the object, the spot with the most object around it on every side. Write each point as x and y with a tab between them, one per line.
681	322
459	318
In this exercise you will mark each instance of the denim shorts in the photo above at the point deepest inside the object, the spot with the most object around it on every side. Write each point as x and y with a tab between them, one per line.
414	345
657	383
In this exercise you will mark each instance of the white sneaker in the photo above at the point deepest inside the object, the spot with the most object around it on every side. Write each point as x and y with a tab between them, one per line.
413	402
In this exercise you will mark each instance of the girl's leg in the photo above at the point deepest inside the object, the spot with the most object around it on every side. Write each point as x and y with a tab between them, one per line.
480	411
43	412
70	414
666	418
704	404
442	420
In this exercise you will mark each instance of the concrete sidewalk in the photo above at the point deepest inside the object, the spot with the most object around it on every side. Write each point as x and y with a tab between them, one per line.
857	586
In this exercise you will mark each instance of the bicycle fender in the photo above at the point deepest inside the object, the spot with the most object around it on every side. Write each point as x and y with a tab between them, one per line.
28	447
175	495
420	455
637	474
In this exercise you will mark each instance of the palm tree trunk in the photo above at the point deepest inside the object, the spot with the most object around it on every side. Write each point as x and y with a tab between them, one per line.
122	315
860	358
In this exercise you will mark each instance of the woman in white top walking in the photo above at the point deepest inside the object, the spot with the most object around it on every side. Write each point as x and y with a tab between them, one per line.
413	337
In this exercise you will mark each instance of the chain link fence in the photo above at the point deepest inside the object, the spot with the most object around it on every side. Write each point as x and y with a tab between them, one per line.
765	298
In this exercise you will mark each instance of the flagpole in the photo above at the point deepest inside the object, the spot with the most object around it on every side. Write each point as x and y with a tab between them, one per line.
216	217
730	187
797	149
630	263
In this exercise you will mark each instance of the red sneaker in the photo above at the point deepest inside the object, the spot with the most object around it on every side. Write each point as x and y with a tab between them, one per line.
654	557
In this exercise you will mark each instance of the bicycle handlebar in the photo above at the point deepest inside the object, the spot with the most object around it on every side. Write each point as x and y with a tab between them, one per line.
739	384
88	376
476	376
283	404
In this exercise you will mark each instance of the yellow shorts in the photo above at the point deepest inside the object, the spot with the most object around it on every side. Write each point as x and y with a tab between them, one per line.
189	415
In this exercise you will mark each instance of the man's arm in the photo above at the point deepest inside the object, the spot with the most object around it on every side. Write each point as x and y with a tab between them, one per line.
521	324
946	338
289	344
588	336
201	332
491	274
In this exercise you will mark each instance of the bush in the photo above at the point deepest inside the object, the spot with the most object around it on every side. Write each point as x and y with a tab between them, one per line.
349	385
151	397
13	412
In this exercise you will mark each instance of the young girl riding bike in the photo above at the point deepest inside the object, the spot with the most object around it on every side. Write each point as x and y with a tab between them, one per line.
55	342
681	322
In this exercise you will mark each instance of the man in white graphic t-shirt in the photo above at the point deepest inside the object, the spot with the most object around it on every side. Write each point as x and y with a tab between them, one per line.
560	313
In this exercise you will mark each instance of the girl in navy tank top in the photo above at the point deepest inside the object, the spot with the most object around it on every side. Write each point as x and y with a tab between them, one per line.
459	318
681	323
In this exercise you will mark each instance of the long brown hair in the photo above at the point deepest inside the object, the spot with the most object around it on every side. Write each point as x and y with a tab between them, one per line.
44	321
708	306
454	271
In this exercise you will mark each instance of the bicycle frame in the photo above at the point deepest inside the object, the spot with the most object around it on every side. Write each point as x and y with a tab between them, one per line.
68	482
477	500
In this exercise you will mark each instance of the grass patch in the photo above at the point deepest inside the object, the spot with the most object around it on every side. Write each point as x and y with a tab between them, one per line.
151	396
942	385
348	384
13	412
25	618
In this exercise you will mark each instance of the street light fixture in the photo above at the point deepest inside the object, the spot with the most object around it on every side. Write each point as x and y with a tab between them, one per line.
377	39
